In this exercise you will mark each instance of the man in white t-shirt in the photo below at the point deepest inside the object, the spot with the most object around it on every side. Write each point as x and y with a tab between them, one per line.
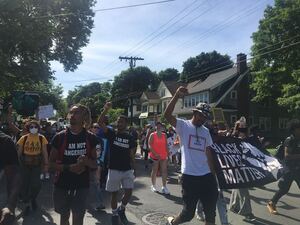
198	180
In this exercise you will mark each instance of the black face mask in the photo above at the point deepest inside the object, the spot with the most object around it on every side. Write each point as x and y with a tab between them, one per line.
242	130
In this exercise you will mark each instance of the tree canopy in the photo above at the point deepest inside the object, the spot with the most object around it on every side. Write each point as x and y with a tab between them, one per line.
276	53
93	95
134	80
31	37
169	74
202	65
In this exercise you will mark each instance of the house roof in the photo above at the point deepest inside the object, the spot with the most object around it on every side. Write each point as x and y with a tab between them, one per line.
212	81
151	95
173	85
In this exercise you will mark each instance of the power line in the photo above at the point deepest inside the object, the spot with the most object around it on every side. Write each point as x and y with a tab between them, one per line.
141	43
105	9
216	28
253	57
222	67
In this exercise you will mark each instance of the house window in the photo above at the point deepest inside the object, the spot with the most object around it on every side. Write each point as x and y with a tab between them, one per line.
164	106
265	123
283	123
145	108
186	102
233	94
206	97
193	101
151	108
233	119
162	92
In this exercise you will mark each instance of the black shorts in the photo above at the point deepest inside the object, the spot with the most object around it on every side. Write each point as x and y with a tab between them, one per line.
70	200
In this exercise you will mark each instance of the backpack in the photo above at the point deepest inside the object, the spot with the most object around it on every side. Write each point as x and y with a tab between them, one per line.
32	160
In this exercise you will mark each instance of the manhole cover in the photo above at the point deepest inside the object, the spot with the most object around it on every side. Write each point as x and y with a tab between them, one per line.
156	218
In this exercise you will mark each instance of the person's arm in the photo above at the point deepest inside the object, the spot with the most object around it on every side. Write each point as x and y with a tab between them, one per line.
45	157
210	160
132	160
150	142
89	162
100	121
288	155
181	91
77	168
12	127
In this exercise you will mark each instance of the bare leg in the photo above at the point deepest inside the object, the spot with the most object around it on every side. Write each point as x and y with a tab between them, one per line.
164	171
154	172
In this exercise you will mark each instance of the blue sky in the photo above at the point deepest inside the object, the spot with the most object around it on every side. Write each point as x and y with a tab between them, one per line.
197	26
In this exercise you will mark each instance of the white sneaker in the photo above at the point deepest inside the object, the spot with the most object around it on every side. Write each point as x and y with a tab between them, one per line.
170	220
42	176
153	188
165	190
200	216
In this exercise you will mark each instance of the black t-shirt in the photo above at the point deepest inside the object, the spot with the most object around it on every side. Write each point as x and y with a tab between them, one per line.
75	146
119	153
8	151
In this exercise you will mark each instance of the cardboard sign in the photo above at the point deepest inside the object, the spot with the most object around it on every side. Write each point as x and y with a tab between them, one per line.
45	111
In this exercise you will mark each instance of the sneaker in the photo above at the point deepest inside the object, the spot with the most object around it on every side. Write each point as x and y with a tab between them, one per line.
115	220
122	216
170	220
42	176
153	188
249	218
271	207
165	190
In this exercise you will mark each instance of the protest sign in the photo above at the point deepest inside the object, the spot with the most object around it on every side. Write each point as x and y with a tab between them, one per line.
239	164
45	111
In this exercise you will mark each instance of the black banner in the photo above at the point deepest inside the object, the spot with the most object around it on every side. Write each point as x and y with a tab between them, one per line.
239	164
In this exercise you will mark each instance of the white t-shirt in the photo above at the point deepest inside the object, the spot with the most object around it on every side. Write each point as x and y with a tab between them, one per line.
193	141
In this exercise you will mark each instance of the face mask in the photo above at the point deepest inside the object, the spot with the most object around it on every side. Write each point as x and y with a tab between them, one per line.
33	130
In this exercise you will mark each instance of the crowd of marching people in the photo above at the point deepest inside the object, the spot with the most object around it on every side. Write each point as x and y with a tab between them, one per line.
91	157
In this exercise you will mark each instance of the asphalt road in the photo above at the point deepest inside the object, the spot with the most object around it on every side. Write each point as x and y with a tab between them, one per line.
151	208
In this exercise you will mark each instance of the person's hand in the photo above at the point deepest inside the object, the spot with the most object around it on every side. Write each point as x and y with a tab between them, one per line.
83	159
107	105
181	91
77	168
6	217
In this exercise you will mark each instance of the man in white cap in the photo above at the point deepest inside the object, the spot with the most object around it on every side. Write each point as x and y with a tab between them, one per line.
198	181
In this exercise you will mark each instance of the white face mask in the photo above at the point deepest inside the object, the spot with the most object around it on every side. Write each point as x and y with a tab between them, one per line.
33	130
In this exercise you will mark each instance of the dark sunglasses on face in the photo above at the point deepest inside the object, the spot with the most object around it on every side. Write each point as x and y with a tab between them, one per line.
96	127
33	127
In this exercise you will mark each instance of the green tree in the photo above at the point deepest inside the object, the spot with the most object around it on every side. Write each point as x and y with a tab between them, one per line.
137	79
202	65
169	74
30	38
276	52
93	95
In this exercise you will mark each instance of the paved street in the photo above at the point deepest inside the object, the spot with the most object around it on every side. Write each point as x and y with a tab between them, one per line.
151	208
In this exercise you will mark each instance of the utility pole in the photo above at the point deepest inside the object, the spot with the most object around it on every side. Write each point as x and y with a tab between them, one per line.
132	60
132	64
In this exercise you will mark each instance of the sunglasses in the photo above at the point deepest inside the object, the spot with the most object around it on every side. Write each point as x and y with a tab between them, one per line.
96	127
33	127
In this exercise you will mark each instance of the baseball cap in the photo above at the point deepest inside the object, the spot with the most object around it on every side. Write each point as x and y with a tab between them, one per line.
203	108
